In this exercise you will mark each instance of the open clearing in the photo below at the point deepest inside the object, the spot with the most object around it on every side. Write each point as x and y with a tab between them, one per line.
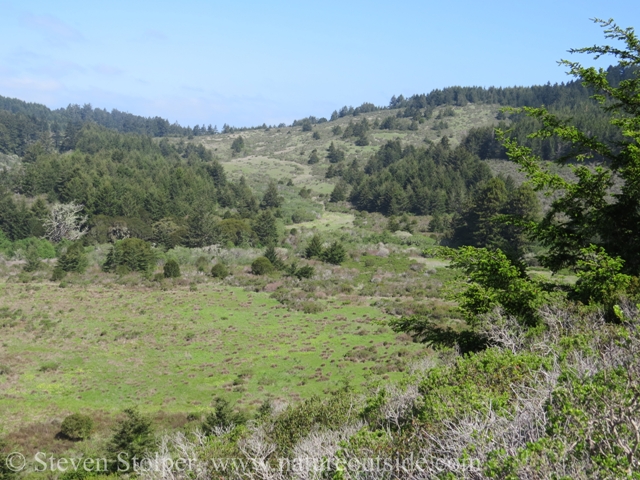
108	347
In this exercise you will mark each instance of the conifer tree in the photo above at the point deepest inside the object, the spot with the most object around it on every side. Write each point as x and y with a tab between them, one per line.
271	199
266	228
314	249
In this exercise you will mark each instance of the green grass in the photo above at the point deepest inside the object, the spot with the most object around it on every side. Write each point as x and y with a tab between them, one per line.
328	222
102	348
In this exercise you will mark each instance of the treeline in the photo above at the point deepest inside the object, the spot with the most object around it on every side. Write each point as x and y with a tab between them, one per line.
559	95
128	183
23	123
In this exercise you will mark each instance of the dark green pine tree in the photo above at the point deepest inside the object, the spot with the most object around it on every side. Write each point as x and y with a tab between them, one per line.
314	249
238	144
522	206
313	158
266	228
334	155
335	254
273	257
271	199
477	226
74	259
339	193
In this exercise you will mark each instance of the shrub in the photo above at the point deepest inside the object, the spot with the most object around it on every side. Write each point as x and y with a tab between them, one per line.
74	259
222	417
33	260
201	264
6	472
122	270
219	270
311	307
599	277
49	367
76	427
44	247
271	254
261	266
171	269
58	274
300	216
307	271
237	145
132	253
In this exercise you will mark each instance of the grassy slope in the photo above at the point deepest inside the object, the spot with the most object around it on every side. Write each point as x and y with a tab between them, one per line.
283	153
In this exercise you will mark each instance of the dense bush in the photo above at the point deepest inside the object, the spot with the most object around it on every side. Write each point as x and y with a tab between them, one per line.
33	259
171	269
261	266
76	427
201	264
74	259
335	254
132	253
219	270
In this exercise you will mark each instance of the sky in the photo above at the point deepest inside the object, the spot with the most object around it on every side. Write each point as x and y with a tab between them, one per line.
246	63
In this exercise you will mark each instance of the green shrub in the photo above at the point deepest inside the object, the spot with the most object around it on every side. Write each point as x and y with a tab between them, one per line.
171	269
74	259
599	277
44	247
33	260
201	264
49	367
300	216
306	271
222	417
261	266
6	472
311	307
76	427
271	254
133	253
122	270
219	270
58	274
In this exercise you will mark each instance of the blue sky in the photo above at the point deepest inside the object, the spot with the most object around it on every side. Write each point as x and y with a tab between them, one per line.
249	62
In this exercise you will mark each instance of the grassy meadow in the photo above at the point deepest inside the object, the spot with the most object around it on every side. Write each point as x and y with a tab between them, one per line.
101	348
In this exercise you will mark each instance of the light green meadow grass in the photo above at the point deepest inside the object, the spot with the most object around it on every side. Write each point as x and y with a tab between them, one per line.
329	221
83	349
